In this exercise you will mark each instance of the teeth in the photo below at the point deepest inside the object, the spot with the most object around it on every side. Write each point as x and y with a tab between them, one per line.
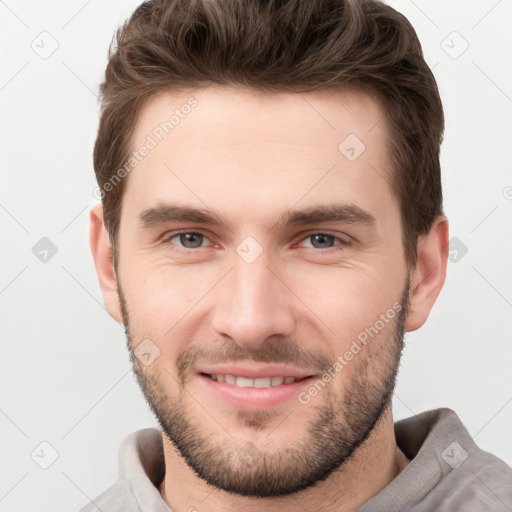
260	382
242	382
277	381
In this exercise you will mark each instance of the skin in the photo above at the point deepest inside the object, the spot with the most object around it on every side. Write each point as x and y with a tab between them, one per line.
252	157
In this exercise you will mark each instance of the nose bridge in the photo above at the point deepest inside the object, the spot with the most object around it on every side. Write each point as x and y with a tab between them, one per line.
253	286
254	304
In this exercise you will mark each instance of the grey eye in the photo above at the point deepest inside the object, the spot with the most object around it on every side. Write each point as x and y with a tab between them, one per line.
322	239
191	240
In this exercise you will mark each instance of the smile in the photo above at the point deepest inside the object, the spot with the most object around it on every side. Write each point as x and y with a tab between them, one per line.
244	382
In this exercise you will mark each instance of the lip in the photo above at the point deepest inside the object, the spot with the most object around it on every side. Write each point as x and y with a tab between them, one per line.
254	398
254	371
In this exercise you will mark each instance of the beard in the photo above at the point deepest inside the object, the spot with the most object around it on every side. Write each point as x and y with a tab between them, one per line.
341	422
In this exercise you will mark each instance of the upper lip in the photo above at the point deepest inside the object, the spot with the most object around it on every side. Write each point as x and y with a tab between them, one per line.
255	371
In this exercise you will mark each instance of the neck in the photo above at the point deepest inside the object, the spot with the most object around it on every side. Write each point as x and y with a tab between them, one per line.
373	466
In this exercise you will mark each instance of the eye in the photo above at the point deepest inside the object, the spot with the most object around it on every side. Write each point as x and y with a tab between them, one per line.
325	241
188	239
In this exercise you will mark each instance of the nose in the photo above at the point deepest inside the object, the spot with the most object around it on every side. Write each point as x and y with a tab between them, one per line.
254	303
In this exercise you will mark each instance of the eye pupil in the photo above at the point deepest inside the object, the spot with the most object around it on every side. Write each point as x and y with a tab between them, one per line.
322	237
195	238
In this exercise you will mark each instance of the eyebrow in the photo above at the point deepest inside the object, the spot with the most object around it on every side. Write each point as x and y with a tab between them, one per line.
347	213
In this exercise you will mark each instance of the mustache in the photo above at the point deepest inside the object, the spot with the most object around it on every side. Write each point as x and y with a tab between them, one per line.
277	352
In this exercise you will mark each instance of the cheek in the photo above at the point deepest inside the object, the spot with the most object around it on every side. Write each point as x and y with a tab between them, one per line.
163	300
169	304
345	300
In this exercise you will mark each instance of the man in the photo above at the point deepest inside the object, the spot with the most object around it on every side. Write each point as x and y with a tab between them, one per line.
271	225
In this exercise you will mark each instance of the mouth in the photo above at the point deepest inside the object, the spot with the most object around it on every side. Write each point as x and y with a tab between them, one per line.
254	387
258	382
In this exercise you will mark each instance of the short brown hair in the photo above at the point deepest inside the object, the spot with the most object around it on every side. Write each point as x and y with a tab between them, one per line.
279	46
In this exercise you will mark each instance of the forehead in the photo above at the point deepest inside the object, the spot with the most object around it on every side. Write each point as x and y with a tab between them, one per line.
240	148
217	110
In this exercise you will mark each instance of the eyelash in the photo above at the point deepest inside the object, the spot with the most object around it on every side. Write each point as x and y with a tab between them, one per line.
343	243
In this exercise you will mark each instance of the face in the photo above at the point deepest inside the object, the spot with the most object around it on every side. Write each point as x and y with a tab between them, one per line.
262	280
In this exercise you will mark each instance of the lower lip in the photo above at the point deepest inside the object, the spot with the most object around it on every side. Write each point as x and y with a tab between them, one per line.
254	398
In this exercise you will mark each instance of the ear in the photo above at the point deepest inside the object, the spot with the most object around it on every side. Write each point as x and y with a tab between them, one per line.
104	262
429	273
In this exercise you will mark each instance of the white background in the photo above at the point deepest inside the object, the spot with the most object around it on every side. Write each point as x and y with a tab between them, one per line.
64	371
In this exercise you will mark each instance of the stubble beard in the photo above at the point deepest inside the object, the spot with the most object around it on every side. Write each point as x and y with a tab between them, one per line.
340	423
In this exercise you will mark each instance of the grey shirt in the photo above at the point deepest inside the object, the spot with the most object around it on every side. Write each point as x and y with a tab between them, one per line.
447	472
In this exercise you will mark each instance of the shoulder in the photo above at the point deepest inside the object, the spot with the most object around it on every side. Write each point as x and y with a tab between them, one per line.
475	479
468	478
141	468
114	499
